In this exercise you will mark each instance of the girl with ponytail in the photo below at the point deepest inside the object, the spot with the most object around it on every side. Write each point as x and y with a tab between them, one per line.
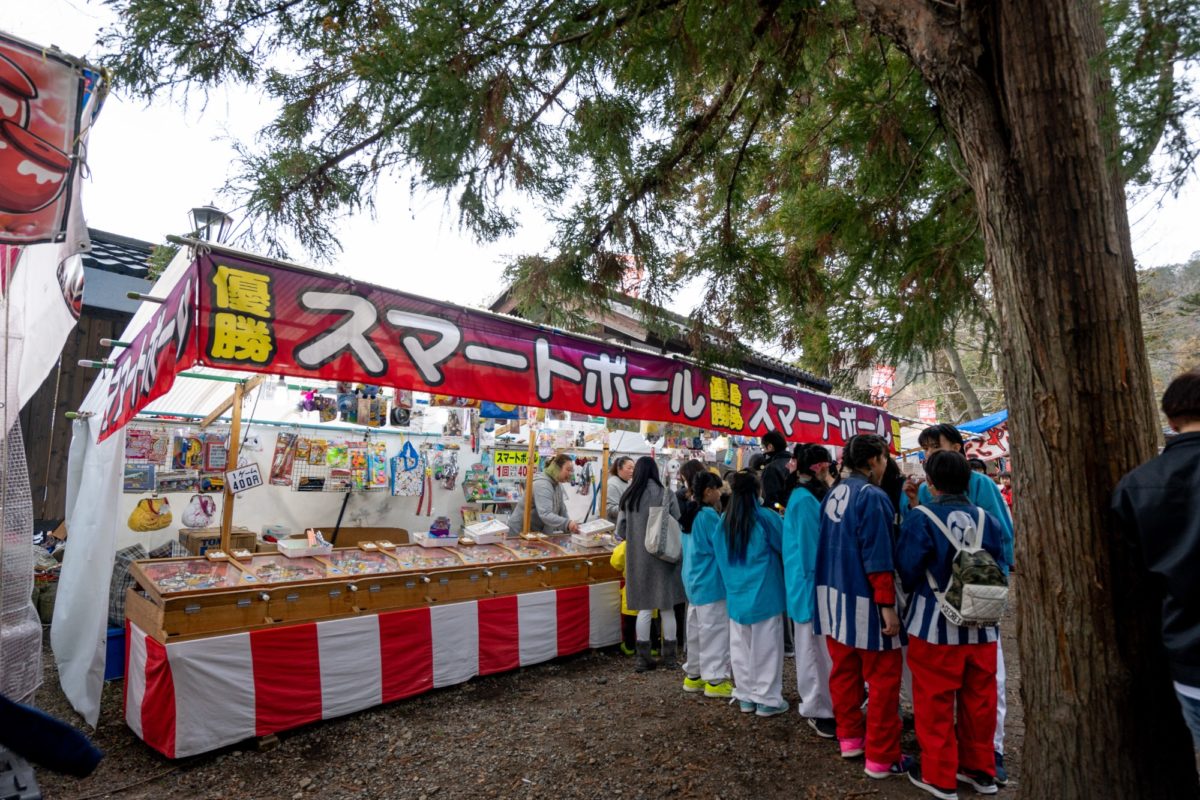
748	550
856	609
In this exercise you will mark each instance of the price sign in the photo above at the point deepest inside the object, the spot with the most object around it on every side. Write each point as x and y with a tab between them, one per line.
243	478
511	464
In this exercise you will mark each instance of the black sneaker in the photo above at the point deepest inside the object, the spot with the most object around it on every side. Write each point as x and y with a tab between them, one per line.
980	781
824	726
914	776
1001	773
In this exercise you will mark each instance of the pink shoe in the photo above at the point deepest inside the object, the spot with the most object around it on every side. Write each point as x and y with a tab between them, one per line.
851	748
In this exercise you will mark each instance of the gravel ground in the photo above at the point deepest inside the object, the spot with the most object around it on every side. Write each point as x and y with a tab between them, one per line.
580	727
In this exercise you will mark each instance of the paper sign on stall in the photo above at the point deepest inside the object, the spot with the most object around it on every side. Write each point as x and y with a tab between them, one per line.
243	478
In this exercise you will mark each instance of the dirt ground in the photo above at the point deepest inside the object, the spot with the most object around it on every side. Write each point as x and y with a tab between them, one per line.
580	727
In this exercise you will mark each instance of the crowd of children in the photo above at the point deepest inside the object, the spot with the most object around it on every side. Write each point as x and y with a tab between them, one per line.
875	583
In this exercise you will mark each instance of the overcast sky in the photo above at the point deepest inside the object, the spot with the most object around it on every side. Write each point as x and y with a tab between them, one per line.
149	165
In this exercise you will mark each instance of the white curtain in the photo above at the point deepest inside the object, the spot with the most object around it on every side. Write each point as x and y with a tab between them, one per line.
77	634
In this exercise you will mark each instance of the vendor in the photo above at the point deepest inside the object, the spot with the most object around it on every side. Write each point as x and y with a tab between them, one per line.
549	512
618	482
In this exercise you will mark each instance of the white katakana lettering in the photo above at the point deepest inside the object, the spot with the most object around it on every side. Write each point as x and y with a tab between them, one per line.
495	357
427	359
609	374
785	409
349	333
684	400
548	367
762	414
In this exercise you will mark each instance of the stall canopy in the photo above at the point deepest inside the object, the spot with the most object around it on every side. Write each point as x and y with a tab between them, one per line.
992	441
223	309
244	313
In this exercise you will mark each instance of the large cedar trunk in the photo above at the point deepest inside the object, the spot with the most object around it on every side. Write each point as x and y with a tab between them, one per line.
1023	88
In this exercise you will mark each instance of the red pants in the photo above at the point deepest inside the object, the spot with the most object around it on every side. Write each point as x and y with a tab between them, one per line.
852	668
949	681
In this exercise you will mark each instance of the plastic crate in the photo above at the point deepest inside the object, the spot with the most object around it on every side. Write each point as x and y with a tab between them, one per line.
114	659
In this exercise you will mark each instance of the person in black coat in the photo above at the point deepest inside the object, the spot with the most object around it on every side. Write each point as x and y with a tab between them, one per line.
1158	505
776	476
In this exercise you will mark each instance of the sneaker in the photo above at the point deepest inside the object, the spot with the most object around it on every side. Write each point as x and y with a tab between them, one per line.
851	748
626	650
1001	773
745	706
691	684
980	781
824	727
772	711
879	770
940	792
719	690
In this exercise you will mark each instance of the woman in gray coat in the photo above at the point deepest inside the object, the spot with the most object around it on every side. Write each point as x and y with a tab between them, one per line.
618	482
650	582
549	512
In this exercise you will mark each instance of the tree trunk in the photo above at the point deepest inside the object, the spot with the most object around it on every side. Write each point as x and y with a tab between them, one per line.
1019	85
974	409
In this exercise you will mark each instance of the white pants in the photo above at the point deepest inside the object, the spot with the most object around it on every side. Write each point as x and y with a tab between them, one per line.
645	617
812	671
1001	702
756	654
708	642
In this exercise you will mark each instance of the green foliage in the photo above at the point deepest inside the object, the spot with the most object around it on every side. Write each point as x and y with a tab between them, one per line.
778	149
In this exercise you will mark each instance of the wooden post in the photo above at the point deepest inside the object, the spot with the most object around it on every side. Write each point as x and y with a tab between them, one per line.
235	434
602	509
739	459
531	466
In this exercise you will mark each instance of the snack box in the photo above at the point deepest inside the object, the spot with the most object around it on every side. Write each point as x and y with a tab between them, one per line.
426	539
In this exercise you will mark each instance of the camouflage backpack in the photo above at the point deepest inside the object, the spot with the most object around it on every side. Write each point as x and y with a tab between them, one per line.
977	593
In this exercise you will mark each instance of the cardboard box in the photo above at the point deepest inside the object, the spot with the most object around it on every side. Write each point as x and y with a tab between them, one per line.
198	540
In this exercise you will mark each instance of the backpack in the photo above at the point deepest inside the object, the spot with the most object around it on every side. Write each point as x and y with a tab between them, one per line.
977	593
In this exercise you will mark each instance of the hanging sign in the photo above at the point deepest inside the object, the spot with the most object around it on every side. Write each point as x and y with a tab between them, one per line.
243	478
510	464
146	369
264	317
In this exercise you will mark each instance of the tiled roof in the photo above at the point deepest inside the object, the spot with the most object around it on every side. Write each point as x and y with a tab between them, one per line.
122	255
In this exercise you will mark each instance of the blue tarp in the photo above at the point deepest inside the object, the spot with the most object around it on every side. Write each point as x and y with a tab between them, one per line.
984	423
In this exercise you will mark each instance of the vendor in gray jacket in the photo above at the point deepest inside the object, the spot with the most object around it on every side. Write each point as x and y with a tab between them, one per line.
618	482
549	511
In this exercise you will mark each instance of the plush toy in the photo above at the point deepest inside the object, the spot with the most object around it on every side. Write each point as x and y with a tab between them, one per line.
199	512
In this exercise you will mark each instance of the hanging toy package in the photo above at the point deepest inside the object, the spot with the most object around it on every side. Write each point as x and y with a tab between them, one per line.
199	512
407	473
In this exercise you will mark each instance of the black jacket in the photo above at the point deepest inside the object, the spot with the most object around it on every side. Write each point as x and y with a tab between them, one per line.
1160	503
776	480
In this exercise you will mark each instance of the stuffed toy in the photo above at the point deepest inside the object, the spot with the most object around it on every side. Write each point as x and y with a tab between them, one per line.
150	514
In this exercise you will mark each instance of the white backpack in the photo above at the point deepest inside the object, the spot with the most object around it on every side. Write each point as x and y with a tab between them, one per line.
977	593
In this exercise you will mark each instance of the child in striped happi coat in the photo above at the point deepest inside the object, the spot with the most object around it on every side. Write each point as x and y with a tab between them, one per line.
953	667
856	610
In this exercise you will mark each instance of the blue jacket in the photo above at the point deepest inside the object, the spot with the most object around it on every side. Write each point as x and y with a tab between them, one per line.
924	548
754	588
700	573
984	493
856	541
801	533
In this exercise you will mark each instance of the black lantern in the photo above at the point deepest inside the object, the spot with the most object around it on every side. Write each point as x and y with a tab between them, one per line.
210	223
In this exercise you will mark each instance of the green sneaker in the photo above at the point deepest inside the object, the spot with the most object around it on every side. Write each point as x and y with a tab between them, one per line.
626	650
722	690
691	684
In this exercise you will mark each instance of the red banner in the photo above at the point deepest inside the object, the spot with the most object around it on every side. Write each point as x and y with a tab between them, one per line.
264	317
146	370
41	107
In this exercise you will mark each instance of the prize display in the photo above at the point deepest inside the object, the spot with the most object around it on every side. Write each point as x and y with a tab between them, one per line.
178	598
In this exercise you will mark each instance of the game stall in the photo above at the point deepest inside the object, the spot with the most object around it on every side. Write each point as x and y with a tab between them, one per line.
318	606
